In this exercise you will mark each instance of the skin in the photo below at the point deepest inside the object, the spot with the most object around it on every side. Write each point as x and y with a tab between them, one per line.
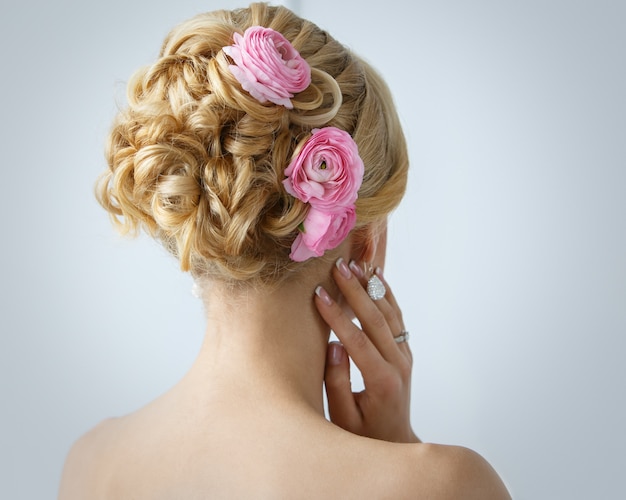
247	420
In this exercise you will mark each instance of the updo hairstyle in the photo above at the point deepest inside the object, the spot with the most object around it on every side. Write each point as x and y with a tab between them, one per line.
199	163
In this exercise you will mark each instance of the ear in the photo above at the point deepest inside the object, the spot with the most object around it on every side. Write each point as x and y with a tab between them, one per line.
370	244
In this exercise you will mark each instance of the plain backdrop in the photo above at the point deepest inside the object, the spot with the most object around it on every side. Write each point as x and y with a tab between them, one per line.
507	253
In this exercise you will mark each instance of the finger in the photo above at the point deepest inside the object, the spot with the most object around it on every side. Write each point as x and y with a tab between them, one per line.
359	347
372	320
394	321
389	296
393	313
387	309
387	305
341	404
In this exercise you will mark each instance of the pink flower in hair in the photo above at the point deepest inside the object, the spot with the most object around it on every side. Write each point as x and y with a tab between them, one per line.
322	231
268	66
326	173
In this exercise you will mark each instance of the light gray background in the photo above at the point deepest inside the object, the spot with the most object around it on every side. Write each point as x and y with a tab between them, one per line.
507	254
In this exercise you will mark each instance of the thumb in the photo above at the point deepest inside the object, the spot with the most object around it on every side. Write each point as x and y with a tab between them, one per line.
342	407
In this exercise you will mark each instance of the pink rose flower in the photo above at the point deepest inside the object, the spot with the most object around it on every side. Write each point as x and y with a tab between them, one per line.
267	65
327	172
322	231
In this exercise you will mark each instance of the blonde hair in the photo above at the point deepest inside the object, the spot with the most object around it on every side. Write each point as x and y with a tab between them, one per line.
198	163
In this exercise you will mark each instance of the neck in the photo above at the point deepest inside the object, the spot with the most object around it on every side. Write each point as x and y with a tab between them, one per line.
268	342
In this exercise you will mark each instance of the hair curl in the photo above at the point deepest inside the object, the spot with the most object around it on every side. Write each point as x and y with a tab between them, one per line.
198	163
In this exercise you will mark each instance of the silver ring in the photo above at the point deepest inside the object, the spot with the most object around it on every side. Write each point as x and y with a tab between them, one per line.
403	337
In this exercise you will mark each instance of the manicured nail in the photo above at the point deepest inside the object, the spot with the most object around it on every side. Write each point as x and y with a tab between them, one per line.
343	269
335	353
379	272
323	294
356	269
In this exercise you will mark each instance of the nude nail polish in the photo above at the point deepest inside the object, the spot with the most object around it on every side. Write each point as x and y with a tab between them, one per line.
356	269
379	272
343	269
323	294
335	353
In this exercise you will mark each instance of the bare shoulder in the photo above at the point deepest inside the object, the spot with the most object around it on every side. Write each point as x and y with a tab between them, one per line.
453	472
84	471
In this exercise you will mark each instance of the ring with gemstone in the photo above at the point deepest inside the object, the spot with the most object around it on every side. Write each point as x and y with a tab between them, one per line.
403	337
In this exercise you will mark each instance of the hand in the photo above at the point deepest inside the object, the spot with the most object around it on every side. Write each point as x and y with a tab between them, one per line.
382	410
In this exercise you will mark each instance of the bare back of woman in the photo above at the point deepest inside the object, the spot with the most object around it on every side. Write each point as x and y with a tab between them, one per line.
266	157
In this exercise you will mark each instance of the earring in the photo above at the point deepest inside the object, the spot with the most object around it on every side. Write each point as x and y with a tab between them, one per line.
375	288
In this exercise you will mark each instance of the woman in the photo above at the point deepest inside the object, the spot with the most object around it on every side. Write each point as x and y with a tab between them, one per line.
266	157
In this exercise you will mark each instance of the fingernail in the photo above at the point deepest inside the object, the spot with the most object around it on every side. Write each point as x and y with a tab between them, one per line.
335	353
323	294
356	269
343	269
379	272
